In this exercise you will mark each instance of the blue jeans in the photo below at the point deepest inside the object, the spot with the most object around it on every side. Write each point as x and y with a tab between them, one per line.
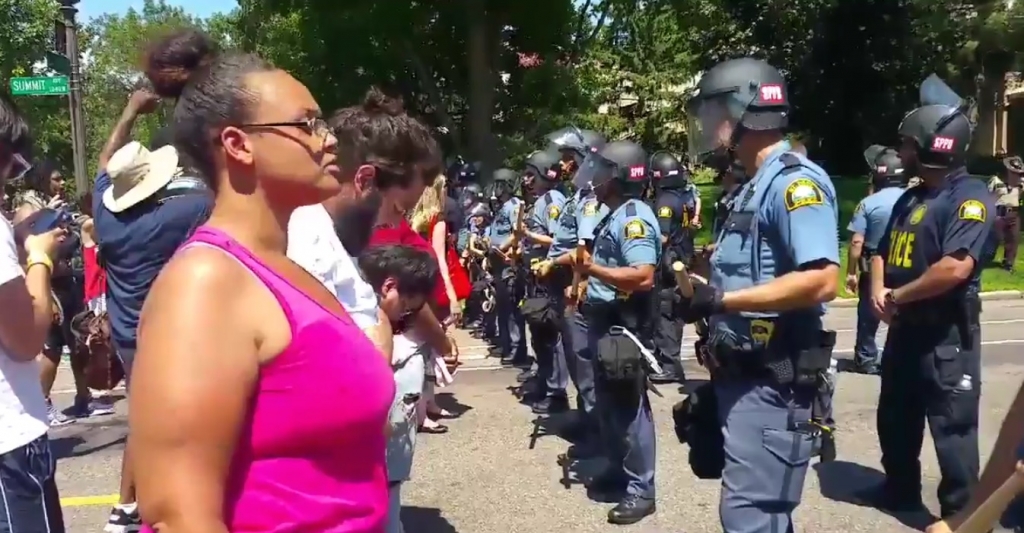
865	350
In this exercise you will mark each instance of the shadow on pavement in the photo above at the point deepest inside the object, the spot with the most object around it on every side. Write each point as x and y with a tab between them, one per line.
691	385
447	401
426	520
846	482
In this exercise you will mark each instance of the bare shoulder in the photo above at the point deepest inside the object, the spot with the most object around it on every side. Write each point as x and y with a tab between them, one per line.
198	278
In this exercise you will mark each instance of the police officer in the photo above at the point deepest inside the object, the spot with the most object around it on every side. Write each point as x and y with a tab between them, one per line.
472	248
925	281
580	216
573	145
1008	202
868	224
511	326
544	307
774	265
677	206
626	252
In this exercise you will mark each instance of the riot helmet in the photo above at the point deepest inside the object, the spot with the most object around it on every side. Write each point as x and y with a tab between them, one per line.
464	173
542	166
733	97
470	194
620	162
886	167
502	187
667	172
939	132
479	209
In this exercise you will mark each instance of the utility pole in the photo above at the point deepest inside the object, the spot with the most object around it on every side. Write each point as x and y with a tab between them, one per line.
68	10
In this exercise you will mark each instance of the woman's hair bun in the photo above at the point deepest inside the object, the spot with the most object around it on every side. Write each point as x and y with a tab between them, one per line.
378	102
171	60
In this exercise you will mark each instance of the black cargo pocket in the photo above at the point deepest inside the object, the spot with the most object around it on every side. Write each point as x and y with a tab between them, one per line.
790	454
947	366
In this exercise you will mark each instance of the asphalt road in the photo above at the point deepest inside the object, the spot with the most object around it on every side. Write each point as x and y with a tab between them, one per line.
496	471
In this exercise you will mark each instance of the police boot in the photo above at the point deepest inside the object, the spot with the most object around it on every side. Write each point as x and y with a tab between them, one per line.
526	375
827	451
886	497
550	405
631	510
608	486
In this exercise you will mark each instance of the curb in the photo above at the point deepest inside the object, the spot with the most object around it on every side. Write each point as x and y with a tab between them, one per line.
985	296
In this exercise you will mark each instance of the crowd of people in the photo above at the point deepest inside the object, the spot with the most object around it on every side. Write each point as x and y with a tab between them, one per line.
262	261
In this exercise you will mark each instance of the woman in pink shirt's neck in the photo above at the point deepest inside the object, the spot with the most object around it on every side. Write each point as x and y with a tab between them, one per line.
232	419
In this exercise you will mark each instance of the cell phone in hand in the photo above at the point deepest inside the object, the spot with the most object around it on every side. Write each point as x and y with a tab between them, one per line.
47	219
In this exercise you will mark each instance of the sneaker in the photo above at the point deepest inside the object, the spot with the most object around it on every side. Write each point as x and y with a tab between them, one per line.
101	406
57	418
124	519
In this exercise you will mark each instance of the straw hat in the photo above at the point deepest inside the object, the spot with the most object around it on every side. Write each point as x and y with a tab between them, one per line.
136	174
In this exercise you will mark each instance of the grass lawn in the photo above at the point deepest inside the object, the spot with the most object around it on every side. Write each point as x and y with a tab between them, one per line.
851	191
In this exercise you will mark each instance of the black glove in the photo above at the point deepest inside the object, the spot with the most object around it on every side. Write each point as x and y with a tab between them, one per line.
706	301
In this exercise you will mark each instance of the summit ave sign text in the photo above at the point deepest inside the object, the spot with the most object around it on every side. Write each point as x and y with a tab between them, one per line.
42	86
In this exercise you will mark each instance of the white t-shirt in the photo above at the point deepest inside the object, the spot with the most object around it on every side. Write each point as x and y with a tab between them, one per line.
314	245
22	406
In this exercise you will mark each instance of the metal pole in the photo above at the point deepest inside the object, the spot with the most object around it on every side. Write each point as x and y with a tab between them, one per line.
69	11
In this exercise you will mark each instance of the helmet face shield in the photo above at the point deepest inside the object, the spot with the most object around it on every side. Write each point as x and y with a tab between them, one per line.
710	124
594	172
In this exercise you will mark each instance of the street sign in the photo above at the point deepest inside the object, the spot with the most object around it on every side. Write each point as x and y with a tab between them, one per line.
48	86
58	63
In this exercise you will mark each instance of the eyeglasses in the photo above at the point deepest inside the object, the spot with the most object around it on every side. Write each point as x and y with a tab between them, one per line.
316	127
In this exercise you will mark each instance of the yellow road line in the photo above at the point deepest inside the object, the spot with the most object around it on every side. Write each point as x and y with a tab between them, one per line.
82	501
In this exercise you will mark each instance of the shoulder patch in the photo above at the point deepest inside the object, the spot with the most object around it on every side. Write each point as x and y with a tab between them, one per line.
802	193
664	212
917	215
972	210
635	229
590	209
859	209
553	211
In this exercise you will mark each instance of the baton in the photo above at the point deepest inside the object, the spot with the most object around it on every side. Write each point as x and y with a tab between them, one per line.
574	291
682	279
989	512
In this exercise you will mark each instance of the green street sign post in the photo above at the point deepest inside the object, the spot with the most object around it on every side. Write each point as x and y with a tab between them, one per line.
42	86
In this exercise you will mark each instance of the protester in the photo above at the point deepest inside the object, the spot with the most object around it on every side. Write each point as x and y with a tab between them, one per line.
393	158
404	278
25	320
244	358
145	204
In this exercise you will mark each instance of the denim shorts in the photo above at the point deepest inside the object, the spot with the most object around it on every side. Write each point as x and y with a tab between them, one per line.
29	502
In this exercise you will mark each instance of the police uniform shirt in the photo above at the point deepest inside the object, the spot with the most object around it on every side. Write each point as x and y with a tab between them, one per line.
589	213
872	214
500	231
792	217
675	210
566	230
543	219
629	238
454	215
931	223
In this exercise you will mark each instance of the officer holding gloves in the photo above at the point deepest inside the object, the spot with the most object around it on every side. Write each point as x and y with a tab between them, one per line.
925	281
775	263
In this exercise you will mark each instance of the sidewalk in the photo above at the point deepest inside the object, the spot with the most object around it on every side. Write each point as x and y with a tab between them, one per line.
986	296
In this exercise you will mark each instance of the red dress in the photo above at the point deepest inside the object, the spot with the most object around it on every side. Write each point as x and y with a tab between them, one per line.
95	276
457	273
404	234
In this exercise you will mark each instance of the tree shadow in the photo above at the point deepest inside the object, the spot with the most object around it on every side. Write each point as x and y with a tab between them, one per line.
447	401
426	520
846	482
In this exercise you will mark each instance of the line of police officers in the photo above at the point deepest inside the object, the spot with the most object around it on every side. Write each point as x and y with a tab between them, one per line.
600	277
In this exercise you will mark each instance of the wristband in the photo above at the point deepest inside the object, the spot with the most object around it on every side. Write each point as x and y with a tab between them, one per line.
39	259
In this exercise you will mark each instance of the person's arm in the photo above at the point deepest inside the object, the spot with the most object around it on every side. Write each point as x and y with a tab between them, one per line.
696	209
963	239
140	102
438	241
427	325
27	311
639	248
858	226
193	379
381	335
806	221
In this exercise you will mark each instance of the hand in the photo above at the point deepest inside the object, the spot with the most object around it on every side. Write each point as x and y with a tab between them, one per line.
939	527
455	312
581	262
55	203
696	223
851	283
881	307
706	301
542	268
45	243
143	101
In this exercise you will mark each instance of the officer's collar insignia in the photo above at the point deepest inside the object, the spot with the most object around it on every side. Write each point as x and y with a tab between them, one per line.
635	229
972	210
802	193
665	212
918	214
590	209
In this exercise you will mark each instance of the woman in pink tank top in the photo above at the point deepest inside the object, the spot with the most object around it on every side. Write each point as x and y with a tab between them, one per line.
257	404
